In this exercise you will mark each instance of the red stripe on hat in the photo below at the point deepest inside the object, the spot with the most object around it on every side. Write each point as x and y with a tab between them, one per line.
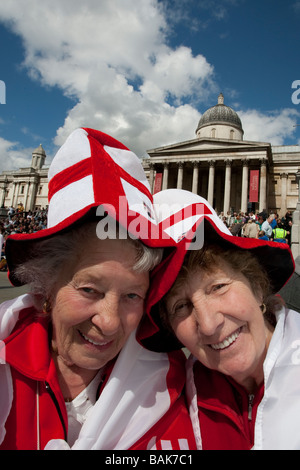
104	139
198	208
69	175
140	186
98	151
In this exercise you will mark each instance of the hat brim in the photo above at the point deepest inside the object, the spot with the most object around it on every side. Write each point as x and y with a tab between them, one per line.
19	245
276	258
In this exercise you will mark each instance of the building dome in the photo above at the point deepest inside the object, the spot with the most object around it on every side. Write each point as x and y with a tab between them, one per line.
220	115
39	150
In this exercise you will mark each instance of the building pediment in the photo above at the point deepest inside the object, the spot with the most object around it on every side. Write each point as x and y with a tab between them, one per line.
210	146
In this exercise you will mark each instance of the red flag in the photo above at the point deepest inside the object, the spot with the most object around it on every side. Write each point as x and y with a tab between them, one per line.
254	185
157	183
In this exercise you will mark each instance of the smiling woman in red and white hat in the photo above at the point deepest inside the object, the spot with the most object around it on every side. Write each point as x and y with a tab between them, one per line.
218	298
72	374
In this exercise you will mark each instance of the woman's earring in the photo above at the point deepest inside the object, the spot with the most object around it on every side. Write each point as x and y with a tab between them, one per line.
46	307
263	308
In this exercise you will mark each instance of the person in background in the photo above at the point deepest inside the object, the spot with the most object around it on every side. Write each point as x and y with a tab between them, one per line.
275	221
262	235
250	229
236	228
2	251
1	242
72	374
280	234
267	227
260	218
243	373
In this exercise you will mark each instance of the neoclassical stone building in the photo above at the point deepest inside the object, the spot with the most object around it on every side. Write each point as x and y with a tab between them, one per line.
26	186
231	173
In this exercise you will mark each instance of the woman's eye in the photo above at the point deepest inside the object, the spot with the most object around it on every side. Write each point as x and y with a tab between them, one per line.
133	296
218	287
87	290
182	308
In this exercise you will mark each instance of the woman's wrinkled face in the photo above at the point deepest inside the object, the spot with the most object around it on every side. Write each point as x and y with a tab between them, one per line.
98	302
218	318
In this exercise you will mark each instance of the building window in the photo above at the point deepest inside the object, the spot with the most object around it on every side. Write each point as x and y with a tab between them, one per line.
22	189
232	134
213	133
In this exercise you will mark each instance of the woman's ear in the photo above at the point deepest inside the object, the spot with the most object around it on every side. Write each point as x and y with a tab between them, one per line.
263	308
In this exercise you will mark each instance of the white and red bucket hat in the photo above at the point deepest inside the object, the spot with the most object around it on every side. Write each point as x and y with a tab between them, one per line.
189	219
92	174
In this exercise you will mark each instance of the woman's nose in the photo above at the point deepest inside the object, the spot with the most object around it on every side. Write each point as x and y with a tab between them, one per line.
208	317
107	317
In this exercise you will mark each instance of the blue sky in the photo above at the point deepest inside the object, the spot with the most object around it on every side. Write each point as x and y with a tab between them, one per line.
144	71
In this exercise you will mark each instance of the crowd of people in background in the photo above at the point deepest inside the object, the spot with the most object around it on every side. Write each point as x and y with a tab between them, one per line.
20	221
262	225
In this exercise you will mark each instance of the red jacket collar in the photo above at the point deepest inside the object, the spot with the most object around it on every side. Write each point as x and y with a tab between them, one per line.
216	391
27	348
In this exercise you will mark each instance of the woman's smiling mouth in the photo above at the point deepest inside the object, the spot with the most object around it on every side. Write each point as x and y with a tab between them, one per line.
227	341
93	342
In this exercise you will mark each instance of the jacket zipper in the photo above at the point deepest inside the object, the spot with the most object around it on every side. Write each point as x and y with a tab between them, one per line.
54	399
250	406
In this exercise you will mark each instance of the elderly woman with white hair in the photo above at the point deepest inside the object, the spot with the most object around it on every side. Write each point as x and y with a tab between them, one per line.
72	374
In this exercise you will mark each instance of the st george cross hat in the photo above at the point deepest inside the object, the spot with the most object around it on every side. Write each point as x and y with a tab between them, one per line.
92	170
189	220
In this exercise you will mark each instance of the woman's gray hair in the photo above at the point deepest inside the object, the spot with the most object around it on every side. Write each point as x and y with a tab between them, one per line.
49	256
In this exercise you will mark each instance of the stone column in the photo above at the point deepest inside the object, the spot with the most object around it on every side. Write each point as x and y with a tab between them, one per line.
226	207
165	176
211	182
244	202
5	183
263	185
3	197
26	196
195	177
15	195
283	177
32	201
151	177
295	235
180	175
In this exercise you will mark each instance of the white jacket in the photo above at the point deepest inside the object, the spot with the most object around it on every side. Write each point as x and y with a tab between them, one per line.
277	424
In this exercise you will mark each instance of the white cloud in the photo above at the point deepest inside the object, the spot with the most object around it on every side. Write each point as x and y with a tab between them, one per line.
12	157
273	127
112	56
